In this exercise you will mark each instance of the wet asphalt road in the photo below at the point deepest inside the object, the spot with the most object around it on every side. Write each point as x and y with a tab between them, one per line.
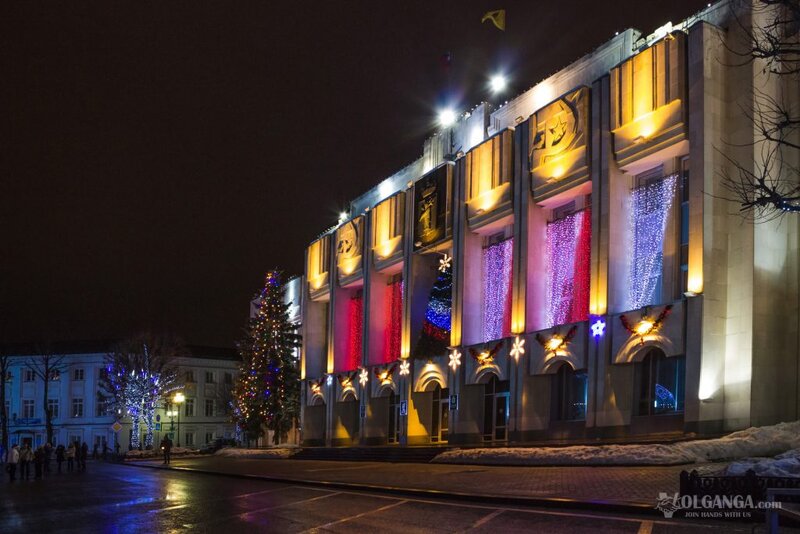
116	498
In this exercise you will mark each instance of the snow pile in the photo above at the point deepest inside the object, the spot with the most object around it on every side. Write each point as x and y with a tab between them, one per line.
271	453
758	441
783	465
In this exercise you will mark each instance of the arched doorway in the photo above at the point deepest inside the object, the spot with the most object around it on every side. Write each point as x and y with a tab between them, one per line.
495	409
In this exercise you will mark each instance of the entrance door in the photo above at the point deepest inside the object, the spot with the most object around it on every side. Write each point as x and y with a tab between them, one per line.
440	415
393	432
495	410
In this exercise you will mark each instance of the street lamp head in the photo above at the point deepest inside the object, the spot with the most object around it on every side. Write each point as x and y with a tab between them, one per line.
447	117
179	398
498	83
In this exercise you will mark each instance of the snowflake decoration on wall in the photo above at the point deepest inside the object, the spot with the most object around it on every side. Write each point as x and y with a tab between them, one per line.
598	327
363	376
329	380
455	360
517	349
444	263
404	368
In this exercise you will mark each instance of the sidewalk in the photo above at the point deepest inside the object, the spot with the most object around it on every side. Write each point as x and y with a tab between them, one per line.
621	488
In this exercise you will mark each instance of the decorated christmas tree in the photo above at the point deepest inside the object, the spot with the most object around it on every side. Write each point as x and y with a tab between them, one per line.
267	391
435	336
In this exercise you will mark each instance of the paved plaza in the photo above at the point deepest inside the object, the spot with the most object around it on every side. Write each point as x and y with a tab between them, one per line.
126	499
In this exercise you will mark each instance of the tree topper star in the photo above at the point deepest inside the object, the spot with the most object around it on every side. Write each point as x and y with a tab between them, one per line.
444	263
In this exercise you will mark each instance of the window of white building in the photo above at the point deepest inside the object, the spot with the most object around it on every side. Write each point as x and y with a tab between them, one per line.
189	408
77	374
52	406
209	377
77	407
28	408
189	439
209	408
28	375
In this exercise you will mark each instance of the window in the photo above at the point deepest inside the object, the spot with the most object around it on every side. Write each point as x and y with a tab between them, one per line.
28	408
209	437
189	377
55	375
660	384
189	441
102	406
28	375
188	410
209	408
569	394
209	377
77	374
228	379
52	407
77	407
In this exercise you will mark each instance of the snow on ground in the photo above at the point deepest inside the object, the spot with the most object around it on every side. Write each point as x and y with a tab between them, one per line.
783	465
758	441
273	452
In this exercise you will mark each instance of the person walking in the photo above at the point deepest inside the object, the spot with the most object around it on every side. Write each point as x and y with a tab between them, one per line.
48	455
59	457
95	454
25	459
166	446
70	454
12	459
84	455
38	461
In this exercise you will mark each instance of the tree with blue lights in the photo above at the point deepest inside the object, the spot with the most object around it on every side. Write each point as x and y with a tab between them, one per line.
435	336
138	375
267	391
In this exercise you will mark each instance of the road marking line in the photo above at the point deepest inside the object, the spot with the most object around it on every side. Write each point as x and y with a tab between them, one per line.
646	527
340	468
362	514
485	519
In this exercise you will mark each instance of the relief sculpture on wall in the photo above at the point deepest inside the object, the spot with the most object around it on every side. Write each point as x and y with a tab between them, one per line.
558	144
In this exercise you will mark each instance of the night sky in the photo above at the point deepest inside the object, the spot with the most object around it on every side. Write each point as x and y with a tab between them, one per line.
158	158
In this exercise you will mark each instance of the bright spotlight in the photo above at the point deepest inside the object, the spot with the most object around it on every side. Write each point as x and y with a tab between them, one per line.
447	117
342	216
498	83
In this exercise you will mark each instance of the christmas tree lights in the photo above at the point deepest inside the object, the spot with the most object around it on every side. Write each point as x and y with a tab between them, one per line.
497	261
267	390
650	208
435	336
568	259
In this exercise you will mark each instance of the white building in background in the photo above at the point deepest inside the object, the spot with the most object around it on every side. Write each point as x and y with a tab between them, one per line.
81	414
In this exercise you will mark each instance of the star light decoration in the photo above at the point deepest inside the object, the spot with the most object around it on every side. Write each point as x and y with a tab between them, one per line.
444	263
329	380
363	377
404	368
455	360
598	328
517	349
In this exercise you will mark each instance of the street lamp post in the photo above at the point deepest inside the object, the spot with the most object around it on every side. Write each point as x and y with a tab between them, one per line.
178	399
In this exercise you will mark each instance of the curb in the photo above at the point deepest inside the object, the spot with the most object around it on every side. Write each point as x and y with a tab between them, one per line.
539	502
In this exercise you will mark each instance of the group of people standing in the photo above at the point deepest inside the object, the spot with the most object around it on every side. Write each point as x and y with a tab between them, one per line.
75	454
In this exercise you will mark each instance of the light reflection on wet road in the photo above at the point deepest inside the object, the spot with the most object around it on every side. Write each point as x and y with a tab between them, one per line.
120	499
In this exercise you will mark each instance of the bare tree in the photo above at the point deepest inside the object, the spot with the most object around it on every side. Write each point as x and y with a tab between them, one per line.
47	367
5	367
769	185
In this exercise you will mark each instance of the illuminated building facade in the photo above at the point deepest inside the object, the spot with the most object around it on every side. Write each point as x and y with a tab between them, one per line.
562	267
